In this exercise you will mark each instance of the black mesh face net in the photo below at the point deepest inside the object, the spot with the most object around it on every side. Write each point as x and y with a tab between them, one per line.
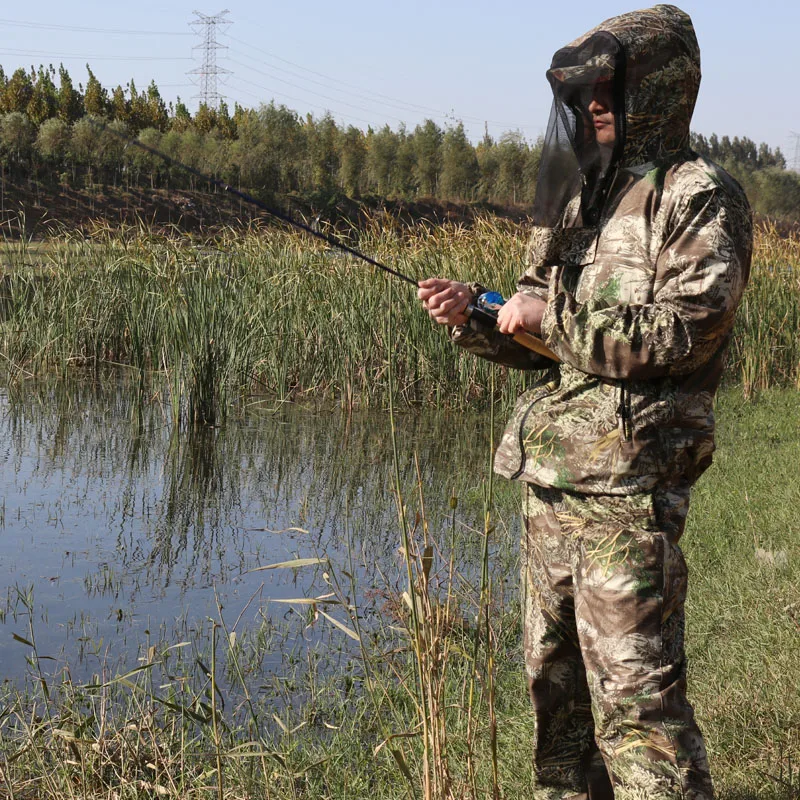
580	146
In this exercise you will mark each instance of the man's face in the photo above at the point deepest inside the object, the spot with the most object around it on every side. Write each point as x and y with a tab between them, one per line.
601	111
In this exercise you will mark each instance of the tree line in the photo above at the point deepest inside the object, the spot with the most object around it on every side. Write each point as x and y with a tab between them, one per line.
49	133
772	190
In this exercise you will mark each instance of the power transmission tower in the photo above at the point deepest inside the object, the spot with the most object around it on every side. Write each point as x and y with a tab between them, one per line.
796	137
207	27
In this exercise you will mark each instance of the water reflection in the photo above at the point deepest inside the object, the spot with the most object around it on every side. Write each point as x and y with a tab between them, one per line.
115	530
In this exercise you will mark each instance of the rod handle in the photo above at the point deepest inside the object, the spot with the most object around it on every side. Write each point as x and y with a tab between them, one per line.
535	344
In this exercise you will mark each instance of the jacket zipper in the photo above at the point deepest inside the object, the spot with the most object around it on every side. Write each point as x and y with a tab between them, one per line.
623	415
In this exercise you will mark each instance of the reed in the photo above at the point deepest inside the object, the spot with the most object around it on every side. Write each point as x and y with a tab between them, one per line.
272	312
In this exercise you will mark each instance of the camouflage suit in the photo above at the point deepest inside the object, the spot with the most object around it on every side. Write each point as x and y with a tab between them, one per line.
640	308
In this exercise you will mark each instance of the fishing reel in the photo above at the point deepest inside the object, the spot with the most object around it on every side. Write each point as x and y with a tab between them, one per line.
484	309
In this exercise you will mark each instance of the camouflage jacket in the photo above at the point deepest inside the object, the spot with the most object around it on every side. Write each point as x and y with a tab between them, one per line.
639	309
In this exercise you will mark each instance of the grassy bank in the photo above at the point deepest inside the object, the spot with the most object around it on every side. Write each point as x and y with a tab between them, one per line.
434	696
277	313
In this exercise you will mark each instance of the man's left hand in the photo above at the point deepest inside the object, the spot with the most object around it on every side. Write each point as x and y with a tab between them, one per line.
522	312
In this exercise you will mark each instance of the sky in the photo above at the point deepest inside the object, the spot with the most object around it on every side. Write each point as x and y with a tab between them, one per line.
376	62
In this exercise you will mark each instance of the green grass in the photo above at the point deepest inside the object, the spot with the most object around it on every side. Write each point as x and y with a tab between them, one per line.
168	730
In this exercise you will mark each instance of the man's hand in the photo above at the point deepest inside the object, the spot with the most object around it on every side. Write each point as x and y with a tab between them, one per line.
444	300
522	312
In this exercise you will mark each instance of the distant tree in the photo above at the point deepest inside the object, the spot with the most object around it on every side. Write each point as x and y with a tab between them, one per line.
83	146
255	166
95	97
120	106
287	139
216	155
404	180
489	166
776	193
181	119
428	151
141	162
17	134
352	160
70	102
17	92
110	149
460	170
205	118
52	142
381	160
323	156
530	172
138	109
44	98
225	123
191	152
512	156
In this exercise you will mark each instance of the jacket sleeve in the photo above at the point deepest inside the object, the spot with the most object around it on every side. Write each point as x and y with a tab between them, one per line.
701	273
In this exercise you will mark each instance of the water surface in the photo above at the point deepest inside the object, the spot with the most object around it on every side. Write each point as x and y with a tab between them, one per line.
117	532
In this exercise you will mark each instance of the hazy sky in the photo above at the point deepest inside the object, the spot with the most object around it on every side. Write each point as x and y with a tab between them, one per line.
383	62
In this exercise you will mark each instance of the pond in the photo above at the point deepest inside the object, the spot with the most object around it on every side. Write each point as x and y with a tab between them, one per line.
119	533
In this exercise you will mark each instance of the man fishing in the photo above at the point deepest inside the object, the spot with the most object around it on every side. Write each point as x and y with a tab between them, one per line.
638	258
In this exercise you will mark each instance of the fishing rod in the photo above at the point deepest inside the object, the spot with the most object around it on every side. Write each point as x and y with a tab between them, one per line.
483	310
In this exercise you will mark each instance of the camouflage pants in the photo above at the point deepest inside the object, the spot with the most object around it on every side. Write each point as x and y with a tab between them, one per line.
604	584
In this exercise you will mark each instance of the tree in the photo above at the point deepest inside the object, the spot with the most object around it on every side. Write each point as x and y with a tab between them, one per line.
381	159
352	158
530	172
323	155
17	93
181	119
120	107
460	171
154	113
225	125
489	165
83	145
70	102
52	141
205	118
95	97
512	154
17	134
110	149
44	99
403	179
428	151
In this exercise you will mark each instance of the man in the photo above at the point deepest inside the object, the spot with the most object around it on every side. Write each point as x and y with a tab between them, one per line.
637	261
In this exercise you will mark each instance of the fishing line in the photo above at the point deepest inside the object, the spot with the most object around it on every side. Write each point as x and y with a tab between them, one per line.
474	310
248	198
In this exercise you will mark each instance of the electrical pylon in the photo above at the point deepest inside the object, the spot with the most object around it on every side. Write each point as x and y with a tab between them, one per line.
207	27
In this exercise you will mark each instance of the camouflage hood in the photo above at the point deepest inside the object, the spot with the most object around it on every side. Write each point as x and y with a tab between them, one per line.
659	65
649	62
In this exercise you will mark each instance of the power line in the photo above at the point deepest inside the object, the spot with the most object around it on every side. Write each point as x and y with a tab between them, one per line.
209	71
387	100
81	29
310	91
328	80
37	53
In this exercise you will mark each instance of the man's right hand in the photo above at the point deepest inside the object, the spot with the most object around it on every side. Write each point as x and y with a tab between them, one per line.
445	300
